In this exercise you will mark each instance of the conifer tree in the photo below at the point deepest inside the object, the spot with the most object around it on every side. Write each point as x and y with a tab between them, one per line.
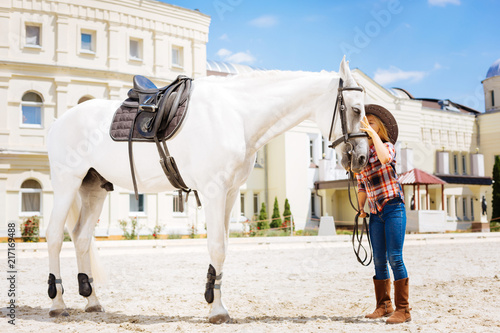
276	220
287	216
263	222
495	203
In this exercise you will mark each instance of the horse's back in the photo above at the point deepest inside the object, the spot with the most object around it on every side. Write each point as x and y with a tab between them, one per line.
74	135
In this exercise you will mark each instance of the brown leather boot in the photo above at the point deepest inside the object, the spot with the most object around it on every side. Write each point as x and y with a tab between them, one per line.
401	292
383	296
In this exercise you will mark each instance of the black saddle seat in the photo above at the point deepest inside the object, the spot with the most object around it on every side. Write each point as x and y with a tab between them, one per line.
144	85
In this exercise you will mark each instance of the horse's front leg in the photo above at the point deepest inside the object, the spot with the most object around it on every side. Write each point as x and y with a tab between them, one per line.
217	233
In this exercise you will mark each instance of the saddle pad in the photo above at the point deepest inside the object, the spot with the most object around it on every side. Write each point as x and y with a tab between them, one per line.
124	119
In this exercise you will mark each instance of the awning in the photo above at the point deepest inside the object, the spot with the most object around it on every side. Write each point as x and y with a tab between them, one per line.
419	177
466	180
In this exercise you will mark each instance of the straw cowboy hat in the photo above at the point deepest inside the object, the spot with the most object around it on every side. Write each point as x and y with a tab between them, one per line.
386	117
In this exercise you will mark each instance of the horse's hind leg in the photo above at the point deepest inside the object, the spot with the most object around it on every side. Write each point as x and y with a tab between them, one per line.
92	196
64	196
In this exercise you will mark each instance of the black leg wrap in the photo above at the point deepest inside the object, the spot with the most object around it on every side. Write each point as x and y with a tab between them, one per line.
210	286
84	286
52	286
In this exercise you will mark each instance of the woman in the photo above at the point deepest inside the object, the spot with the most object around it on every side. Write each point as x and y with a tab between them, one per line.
379	184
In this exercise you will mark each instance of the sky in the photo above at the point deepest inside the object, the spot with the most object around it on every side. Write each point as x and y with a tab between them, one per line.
432	48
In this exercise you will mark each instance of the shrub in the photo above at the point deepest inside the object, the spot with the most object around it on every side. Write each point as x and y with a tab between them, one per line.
133	229
30	228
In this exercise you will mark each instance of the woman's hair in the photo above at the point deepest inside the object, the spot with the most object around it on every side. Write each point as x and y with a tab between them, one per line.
382	133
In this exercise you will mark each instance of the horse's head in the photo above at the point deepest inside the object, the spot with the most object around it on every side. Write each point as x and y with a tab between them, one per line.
345	120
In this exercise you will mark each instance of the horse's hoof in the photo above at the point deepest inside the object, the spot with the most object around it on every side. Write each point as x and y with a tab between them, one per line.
94	308
219	319
58	312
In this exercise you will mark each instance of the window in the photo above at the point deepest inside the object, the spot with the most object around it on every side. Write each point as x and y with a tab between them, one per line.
136	206
311	151
472	209
176	204
256	203
135	48
31	198
33	35
492	98
455	164
323	146
464	165
177	56
313	206
87	41
31	110
464	208
242	204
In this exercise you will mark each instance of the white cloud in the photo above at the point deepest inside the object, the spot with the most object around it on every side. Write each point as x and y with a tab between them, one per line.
442	3
223	53
237	58
394	74
264	21
224	37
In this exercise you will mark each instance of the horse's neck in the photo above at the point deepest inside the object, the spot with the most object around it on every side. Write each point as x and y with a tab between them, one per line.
280	101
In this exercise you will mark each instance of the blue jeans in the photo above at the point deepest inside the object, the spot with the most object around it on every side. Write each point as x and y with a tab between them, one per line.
387	234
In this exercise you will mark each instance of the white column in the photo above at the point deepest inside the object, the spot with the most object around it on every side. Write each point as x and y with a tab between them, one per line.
114	46
62	40
452	207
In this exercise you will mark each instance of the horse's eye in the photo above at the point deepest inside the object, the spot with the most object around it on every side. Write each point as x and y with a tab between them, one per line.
357	110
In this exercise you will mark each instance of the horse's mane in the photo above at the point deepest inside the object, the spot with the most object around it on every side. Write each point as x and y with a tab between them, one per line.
260	74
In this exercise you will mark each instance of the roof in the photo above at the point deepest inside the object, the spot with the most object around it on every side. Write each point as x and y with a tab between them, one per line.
419	177
466	180
446	105
494	69
227	68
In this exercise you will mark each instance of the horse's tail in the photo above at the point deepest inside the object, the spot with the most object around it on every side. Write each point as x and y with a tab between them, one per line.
98	271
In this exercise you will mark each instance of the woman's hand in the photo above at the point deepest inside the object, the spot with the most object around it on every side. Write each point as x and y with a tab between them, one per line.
366	127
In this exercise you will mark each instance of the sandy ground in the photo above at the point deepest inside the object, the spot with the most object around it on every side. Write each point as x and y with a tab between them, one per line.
299	284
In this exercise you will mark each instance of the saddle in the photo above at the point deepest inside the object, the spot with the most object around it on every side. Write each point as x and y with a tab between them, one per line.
152	114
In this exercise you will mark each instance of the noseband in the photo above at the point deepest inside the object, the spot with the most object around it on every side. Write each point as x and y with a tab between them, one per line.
340	105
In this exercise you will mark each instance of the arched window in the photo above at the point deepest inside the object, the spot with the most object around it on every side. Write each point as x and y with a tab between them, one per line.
31	197
84	99
31	114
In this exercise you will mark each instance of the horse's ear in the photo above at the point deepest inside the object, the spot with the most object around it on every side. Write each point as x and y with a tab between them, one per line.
345	72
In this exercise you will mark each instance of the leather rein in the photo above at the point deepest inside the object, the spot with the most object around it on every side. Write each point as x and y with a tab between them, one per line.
357	235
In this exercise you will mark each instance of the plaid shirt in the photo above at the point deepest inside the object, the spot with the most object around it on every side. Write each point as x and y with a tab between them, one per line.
380	182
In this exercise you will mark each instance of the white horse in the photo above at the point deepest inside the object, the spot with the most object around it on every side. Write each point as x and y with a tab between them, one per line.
228	120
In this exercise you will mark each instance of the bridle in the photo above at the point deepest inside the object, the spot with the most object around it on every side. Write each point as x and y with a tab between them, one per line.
340	105
345	138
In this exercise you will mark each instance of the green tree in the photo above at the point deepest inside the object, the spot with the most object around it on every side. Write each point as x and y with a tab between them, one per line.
263	223
495	203
287	216
276	218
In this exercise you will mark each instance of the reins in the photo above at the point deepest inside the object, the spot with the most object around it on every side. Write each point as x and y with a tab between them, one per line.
357	235
359	250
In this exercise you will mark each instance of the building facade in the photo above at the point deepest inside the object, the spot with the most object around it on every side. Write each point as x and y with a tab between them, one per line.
55	54
456	143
